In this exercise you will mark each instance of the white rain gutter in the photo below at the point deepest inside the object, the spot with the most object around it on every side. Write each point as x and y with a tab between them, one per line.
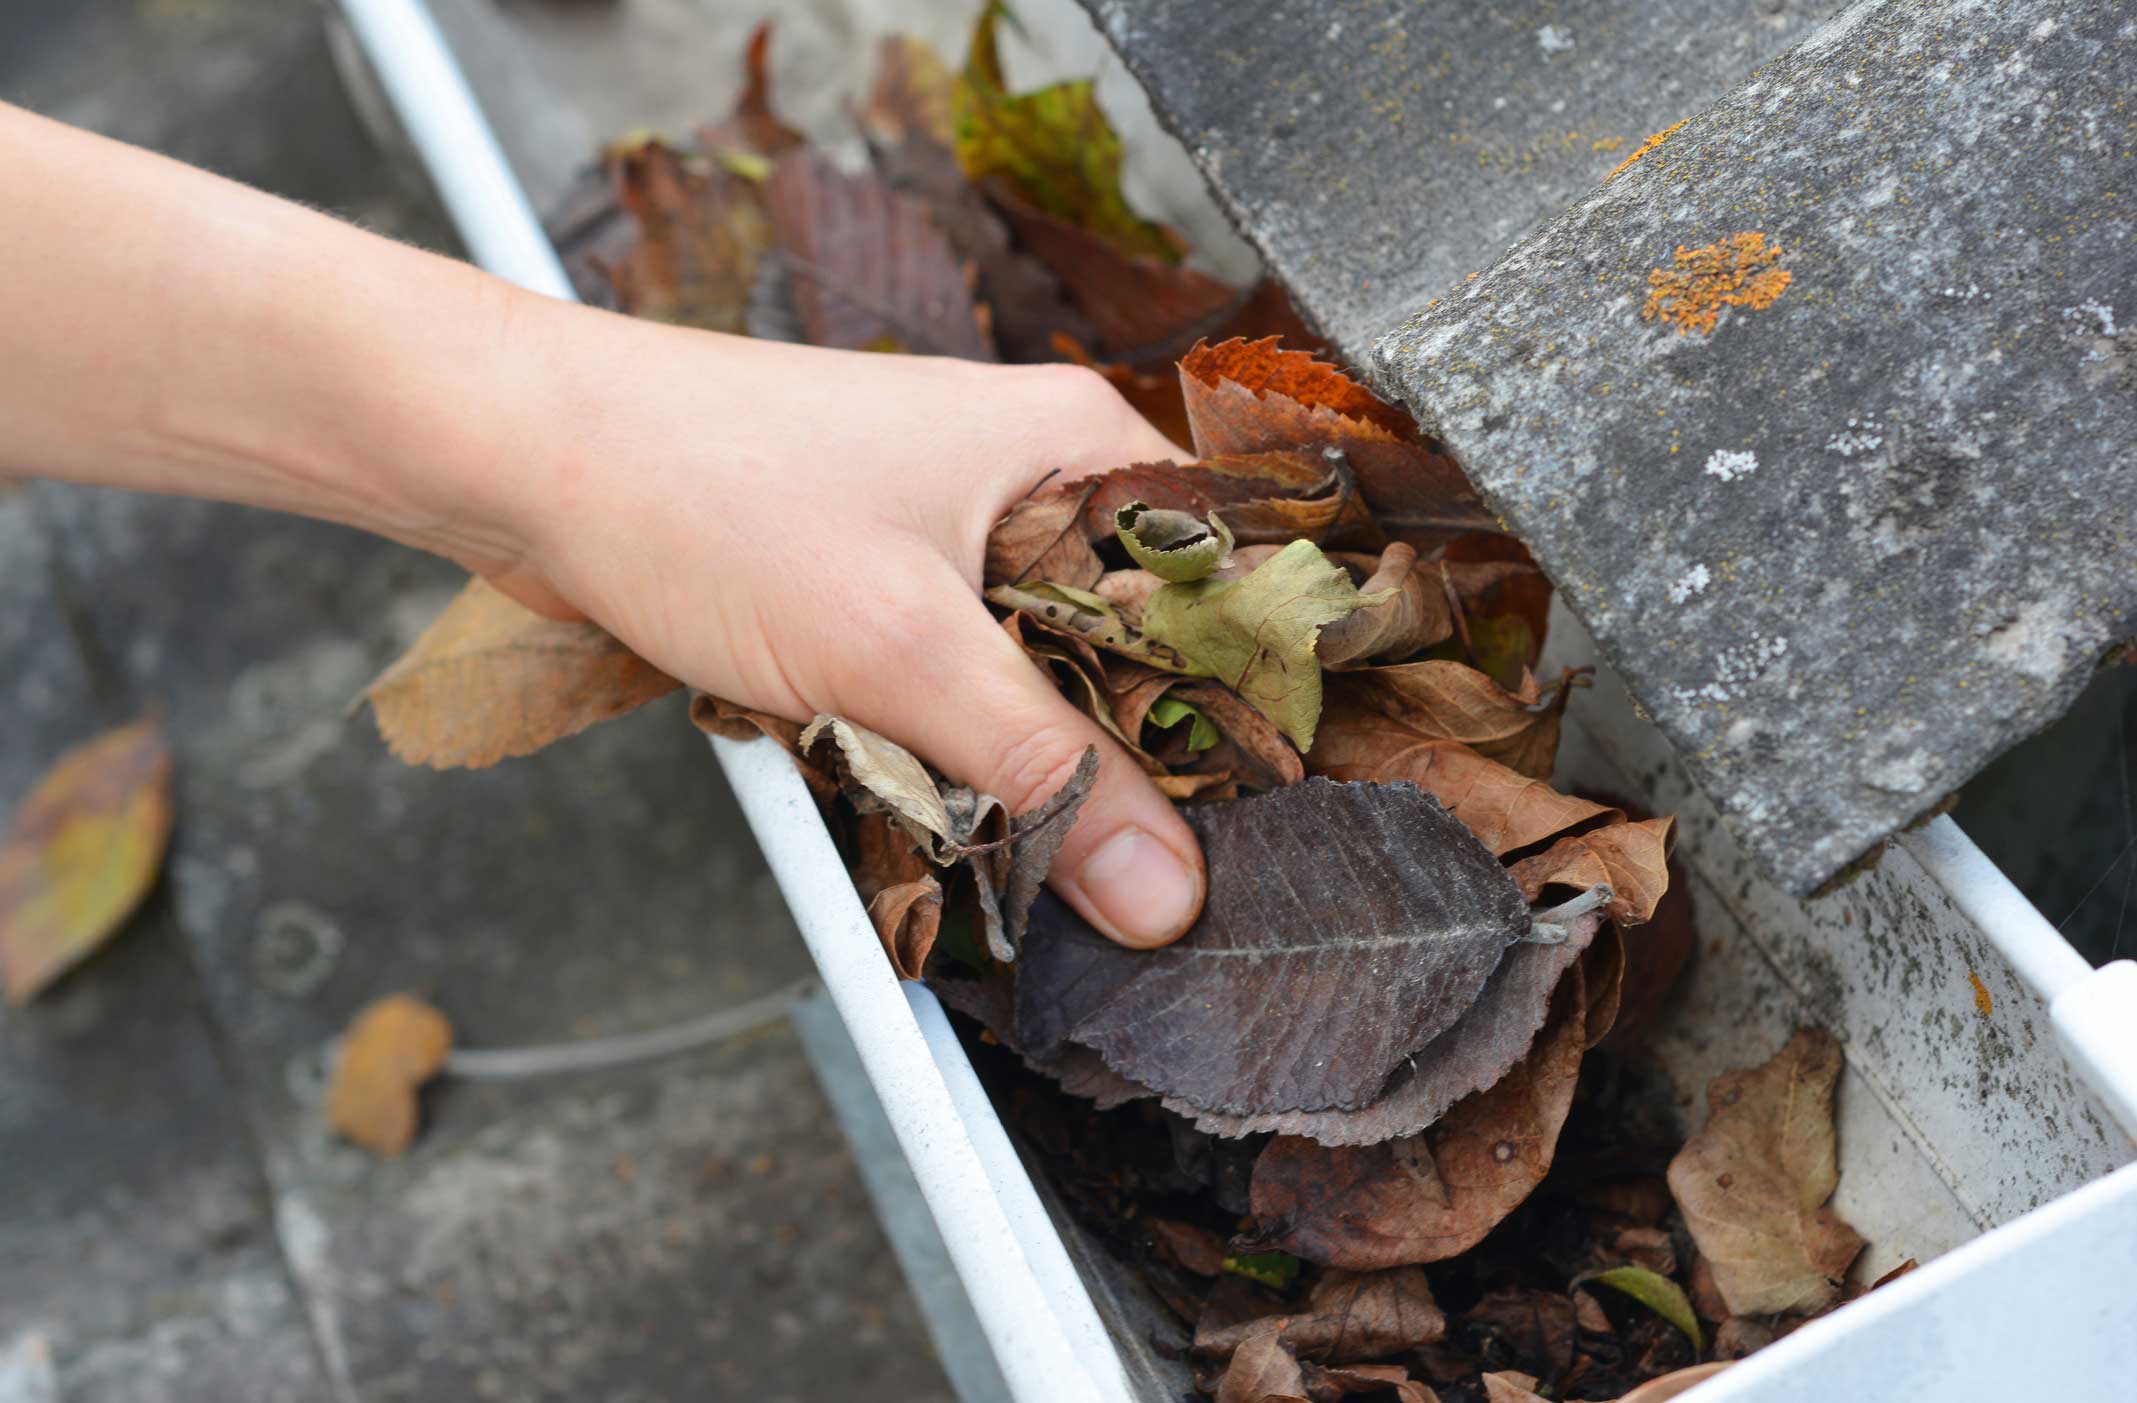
1030	1302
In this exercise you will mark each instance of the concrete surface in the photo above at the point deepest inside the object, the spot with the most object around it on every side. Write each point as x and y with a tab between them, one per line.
174	1223
1847	548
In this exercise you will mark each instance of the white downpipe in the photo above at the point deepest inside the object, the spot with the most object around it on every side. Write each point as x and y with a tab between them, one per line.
1034	1309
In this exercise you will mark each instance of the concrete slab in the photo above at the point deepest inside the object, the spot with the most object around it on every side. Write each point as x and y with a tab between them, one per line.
1377	154
1822	416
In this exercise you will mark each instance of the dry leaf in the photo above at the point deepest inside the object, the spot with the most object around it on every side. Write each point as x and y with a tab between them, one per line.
83	850
752	129
1507	1386
1177	547
1262	1371
881	776
1256	633
1533	1328
490	678
1417	703
869	267
1480	1048
1426	1198
1349	1317
1142	306
1042	539
1305	982
1253	396
701	231
391	1049
716	716
1632	859
1661	1390
900	889
1752	1184
1505	810
1196	1249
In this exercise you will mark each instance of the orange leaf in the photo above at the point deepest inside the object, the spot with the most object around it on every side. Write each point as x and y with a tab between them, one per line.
84	849
1632	859
1504	809
491	678
391	1049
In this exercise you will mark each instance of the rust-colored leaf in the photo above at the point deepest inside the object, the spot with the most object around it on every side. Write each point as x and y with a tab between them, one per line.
1263	1370
701	230
1510	1386
1140	304
899	887
1504	809
753	128
1253	396
83	850
716	716
1349	1316
1425	1198
1411	704
1753	1182
869	267
490	678
391	1049
1304	984
1632	859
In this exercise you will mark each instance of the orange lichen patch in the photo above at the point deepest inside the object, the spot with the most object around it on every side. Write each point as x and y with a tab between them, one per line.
1982	1000
1737	272
1644	147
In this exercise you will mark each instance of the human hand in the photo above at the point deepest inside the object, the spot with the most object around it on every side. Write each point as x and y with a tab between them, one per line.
802	530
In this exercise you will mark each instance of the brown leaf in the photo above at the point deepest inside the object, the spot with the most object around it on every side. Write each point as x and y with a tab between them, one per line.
1262	1371
1662	1389
1655	954
1417	703
752	127
913	93
1417	617
1632	859
1535	1328
1253	396
392	1047
870	268
1505	810
490	678
898	886
1507	1386
1250	750
1752	1183
1481	1047
83	850
1036	841
1328	1383
1043	538
1350	1316
701	231
1139	305
1304	983
880	776
1426	1198
716	716
1197	1249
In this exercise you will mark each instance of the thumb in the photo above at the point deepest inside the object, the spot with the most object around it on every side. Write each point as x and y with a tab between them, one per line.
1130	866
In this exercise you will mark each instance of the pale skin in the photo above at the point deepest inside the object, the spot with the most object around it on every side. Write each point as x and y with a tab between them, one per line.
799	530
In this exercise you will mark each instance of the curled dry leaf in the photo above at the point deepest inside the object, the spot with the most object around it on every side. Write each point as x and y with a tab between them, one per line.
1753	1182
1425	1198
1349	1317
899	887
1504	809
1305	982
1256	633
1508	1386
1087	616
1632	859
1417	703
1668	1386
701	230
870	269
490	678
1263	1370
881	776
1177	547
1480	1048
391	1049
752	129
83	850
716	716
1253	396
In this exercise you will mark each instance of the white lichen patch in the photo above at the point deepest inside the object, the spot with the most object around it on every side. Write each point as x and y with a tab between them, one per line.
1729	464
1553	40
1860	436
1691	582
2096	312
1734	669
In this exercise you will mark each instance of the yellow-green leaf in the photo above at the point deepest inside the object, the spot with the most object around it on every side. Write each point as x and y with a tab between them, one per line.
1256	633
84	848
1175	546
1053	147
1659	1294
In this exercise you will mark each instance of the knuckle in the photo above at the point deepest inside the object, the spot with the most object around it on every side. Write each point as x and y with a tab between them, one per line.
1030	764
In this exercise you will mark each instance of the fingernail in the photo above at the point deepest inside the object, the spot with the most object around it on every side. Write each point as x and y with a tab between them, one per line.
1141	888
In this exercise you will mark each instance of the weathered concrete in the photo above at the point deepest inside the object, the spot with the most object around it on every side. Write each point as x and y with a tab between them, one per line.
1848	547
1377	153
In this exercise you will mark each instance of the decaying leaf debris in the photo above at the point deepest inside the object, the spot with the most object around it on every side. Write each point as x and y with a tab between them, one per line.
1353	1128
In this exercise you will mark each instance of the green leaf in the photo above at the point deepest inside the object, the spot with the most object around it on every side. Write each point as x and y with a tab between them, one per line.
1175	546
1658	1293
1275	1269
1053	147
1168	712
1256	633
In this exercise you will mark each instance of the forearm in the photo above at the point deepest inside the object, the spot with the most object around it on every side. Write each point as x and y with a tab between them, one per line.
166	330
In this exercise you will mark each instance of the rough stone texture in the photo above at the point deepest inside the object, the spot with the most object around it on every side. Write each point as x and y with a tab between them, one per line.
1846	548
1378	153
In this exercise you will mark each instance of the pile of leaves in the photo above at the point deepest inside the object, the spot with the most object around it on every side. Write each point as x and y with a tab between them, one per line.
1325	1113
